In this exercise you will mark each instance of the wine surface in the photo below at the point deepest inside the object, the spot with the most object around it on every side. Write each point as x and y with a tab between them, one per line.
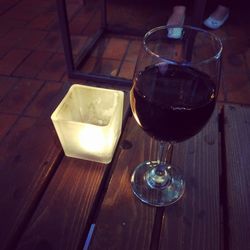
172	103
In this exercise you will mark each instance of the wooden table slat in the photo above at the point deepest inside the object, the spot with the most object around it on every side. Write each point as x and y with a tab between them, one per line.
194	221
124	222
29	154
24	172
60	220
237	141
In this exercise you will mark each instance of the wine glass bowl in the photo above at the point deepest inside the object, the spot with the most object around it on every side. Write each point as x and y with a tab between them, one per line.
174	92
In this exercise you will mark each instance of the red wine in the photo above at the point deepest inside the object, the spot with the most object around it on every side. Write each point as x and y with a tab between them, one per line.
172	103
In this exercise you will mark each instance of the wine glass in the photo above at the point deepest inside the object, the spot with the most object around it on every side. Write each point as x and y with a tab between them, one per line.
174	92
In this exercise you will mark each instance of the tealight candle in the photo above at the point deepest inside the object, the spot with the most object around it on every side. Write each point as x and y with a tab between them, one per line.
88	122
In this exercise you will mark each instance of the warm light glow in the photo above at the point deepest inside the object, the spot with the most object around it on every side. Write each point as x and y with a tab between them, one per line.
94	140
88	122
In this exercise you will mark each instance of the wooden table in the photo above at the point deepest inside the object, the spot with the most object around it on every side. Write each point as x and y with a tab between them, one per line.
49	201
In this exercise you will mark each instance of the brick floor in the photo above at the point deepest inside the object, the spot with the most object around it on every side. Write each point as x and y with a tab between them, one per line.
115	49
32	63
6	25
52	42
127	69
13	37
6	83
247	57
12	59
101	66
77	43
23	13
20	95
48	91
79	23
43	21
54	68
21	126
237	88
234	64
133	50
6	121
31	39
5	5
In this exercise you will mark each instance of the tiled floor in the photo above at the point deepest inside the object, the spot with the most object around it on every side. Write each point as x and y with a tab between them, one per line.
32	65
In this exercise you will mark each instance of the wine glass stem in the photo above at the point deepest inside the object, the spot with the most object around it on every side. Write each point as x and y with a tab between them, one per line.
159	177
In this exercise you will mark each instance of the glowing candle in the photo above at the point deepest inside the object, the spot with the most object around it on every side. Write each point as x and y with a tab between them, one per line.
88	122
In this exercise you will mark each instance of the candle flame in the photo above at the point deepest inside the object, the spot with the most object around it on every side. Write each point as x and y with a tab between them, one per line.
94	140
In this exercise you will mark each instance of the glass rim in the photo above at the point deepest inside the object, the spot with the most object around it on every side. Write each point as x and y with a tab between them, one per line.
216	38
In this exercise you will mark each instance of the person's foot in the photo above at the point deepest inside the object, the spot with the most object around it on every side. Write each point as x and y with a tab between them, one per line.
217	18
177	18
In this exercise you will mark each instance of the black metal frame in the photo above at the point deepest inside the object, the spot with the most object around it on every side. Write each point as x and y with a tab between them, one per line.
72	67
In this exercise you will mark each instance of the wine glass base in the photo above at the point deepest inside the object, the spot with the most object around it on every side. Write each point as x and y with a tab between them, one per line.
157	196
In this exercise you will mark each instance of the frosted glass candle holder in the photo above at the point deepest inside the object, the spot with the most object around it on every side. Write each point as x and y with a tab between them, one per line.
88	122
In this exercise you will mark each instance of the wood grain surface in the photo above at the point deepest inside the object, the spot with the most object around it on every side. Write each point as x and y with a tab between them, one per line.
61	218
24	173
29	154
237	141
124	222
194	221
49	201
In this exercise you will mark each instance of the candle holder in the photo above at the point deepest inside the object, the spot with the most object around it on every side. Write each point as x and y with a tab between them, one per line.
88	122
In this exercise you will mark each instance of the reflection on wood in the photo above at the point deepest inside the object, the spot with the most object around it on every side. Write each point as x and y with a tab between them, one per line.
237	141
124	222
194	221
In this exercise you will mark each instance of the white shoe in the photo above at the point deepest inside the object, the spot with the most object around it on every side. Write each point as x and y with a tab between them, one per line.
213	23
177	19
175	33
